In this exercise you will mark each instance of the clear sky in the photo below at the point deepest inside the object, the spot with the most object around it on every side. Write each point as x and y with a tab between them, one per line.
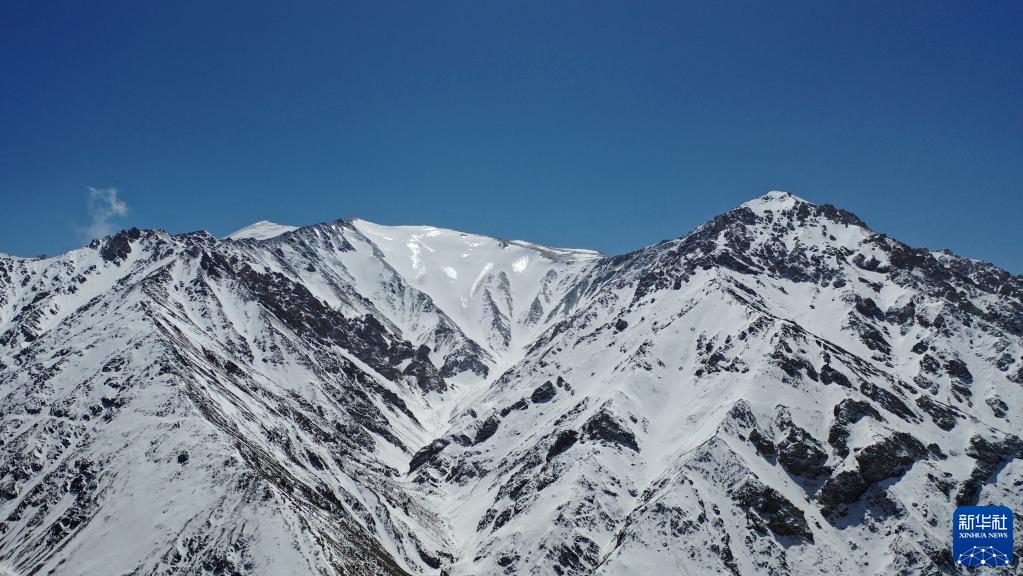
604	125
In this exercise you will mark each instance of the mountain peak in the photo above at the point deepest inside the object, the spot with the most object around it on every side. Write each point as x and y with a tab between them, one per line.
262	230
774	200
411	400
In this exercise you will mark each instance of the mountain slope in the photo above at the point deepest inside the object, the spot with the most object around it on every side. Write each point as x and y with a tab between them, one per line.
779	390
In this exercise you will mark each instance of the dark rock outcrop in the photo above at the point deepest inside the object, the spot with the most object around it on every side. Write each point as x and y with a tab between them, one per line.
544	393
607	428
801	455
565	440
427	453
487	430
990	455
942	415
765	505
888	458
848	412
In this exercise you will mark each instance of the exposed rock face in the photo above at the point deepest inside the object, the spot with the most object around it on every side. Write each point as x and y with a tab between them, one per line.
990	456
565	440
427	452
771	509
426	375
487	430
849	412
778	388
944	417
118	247
762	443
890	457
800	454
544	393
607	428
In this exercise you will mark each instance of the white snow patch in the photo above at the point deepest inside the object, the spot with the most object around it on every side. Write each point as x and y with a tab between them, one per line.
483	274
519	266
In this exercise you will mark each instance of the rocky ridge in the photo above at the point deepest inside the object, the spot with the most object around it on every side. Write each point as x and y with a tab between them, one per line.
779	389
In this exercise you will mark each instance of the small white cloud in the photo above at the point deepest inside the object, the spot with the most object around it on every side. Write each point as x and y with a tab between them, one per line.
104	208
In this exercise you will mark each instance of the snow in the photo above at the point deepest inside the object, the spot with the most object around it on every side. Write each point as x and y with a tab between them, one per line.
775	200
464	273
262	230
299	441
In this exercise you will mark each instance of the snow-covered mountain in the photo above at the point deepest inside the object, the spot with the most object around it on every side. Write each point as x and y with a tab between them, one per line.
779	391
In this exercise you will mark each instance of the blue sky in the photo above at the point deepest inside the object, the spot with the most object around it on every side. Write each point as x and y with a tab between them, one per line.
605	125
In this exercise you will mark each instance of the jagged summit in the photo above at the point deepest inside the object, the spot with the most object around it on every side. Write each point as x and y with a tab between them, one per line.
775	200
778	390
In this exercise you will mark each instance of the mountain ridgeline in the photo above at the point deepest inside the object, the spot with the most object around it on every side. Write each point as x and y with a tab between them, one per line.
780	391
